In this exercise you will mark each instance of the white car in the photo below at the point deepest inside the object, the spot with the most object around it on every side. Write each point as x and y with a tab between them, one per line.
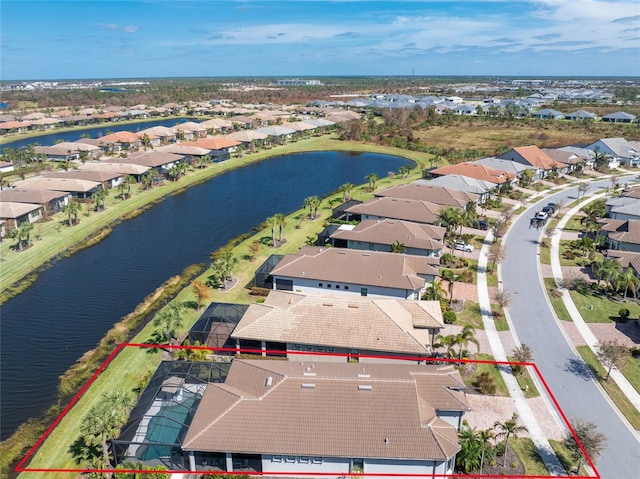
462	246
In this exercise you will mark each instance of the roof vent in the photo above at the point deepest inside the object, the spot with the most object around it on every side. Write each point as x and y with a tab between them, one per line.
386	440
365	387
364	375
308	386
269	381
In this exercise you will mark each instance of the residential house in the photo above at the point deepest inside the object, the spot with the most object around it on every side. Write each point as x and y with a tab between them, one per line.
14	214
574	161
395	208
81	189
343	326
619	117
501	164
163	134
92	151
191	153
321	418
581	115
55	153
190	131
156	160
220	147
623	208
547	114
381	235
477	171
124	169
534	156
50	201
14	126
105	178
483	189
580	152
622	234
6	167
354	272
120	141
424	191
618	149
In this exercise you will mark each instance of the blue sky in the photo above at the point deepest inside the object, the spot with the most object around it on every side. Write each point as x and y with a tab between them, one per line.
171	38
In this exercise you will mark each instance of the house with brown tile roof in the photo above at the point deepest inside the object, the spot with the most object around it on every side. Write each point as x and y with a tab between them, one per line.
50	201
534	156
14	214
567	157
106	178
315	418
156	160
56	153
82	189
163	133
340	325
623	234
18	126
317	270
124	169
476	171
423	191
120	140
380	235
396	208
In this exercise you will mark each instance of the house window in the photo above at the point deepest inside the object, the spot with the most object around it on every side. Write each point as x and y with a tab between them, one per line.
276	458
363	291
319	285
416	295
337	286
331	350
328	285
320	349
317	460
290	459
308	347
304	460
297	347
346	287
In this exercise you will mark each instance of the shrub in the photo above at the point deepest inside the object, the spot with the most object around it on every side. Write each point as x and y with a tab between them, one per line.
449	317
486	383
570	255
624	314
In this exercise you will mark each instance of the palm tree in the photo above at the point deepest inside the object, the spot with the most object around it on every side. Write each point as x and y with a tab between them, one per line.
272	222
507	429
607	270
470	448
628	280
24	234
104	421
485	436
451	278
128	180
464	337
372	178
281	223
100	198
448	342
122	188
169	319
313	203
67	165
398	247
148	178
404	170
73	210
346	190
450	217
468	215
434	292
593	211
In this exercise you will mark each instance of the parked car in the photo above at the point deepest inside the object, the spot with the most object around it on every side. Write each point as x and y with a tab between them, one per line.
555	207
462	246
542	215
481	225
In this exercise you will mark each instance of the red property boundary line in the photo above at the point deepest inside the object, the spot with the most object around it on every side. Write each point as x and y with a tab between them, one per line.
22	468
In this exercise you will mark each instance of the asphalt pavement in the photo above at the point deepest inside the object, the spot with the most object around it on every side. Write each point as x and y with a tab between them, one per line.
568	377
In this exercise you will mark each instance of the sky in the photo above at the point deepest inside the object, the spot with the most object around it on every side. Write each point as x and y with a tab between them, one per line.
81	39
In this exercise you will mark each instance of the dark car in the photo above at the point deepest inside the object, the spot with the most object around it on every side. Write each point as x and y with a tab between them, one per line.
481	225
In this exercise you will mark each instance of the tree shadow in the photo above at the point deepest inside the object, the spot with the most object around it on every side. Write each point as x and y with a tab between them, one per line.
83	454
579	368
191	304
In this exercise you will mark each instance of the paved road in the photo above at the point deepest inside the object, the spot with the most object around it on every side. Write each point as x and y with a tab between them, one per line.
563	371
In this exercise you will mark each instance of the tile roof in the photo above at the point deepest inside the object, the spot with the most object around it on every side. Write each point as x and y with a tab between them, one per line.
120	137
399	208
214	143
477	171
99	176
151	158
123	168
388	231
381	325
536	157
22	195
58	184
12	210
627	233
326	409
429	193
373	268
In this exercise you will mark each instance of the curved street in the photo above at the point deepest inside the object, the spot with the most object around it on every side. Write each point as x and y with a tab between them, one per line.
534	324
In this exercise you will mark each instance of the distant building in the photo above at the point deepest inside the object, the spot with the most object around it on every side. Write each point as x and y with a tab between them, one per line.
298	82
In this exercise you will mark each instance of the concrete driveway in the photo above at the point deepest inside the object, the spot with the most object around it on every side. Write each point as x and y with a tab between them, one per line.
564	371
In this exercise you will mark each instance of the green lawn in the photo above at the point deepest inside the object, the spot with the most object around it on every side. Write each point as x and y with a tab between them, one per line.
470	315
579	259
525	382
612	389
545	255
596	308
492	369
564	455
528	454
558	305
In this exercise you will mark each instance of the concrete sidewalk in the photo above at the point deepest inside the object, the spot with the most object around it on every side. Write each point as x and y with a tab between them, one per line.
528	418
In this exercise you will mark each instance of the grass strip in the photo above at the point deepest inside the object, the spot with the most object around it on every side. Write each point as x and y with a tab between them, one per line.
612	389
528	454
557	303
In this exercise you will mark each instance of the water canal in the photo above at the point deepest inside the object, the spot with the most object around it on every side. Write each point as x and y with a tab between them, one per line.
72	304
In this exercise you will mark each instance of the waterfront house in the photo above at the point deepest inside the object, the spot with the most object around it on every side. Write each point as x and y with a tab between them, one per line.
344	326
395	208
120	141
381	235
81	189
423	191
50	201
354	272
105	178
14	214
325	418
56	153
156	160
